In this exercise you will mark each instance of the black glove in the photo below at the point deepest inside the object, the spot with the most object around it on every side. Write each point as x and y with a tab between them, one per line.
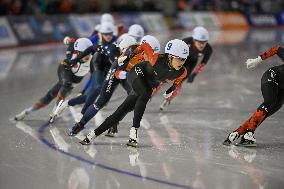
191	78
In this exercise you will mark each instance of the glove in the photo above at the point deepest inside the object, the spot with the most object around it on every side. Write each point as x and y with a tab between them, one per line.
251	63
120	60
169	92
190	78
66	40
121	74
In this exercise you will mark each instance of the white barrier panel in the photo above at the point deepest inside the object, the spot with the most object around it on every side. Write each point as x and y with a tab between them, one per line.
7	37
191	20
154	22
84	24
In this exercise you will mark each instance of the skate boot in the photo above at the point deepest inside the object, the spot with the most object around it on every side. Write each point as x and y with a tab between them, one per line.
247	140
52	118
88	139
57	110
164	104
133	137
232	136
76	129
112	131
21	116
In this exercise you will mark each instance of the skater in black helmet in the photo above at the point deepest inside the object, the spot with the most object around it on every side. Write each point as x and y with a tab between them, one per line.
200	52
143	78
272	88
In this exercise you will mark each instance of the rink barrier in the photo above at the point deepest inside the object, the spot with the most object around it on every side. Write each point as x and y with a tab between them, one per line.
42	29
84	24
262	20
280	18
231	20
7	37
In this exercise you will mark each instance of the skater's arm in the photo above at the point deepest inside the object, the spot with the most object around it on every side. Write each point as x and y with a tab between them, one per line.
126	61
180	79
177	83
151	55
199	68
271	52
89	50
87	84
251	63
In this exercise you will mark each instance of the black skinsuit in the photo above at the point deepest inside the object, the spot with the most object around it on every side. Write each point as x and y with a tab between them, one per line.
143	78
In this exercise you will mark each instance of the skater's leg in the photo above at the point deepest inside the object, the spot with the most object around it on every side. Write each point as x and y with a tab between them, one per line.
50	95
94	93
119	114
77	100
272	103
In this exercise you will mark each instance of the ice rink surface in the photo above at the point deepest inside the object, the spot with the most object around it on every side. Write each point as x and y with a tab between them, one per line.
179	148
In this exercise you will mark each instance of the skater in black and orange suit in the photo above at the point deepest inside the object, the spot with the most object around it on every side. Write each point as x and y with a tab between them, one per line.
144	78
272	88
132	55
200	52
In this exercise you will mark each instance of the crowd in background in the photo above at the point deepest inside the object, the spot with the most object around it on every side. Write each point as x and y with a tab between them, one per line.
20	7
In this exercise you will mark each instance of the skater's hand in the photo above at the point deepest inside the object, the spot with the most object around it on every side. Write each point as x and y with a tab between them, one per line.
66	40
120	74
251	63
169	92
190	78
120	60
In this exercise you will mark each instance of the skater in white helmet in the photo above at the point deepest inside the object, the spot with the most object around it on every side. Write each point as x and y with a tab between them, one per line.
272	88
200	52
147	50
136	31
68	75
143	78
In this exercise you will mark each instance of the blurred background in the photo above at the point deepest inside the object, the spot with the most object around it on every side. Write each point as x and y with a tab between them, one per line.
25	22
169	7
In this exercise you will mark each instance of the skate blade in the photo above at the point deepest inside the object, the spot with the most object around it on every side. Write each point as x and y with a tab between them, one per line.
71	134
132	145
245	145
84	143
52	119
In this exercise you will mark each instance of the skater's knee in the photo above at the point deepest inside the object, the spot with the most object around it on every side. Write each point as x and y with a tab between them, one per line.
145	96
67	84
47	98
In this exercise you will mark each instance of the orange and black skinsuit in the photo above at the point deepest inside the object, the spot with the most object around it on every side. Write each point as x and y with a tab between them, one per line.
272	88
143	78
134	56
194	65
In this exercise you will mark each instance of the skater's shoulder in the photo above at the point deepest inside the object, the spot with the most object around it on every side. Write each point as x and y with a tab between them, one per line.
188	40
